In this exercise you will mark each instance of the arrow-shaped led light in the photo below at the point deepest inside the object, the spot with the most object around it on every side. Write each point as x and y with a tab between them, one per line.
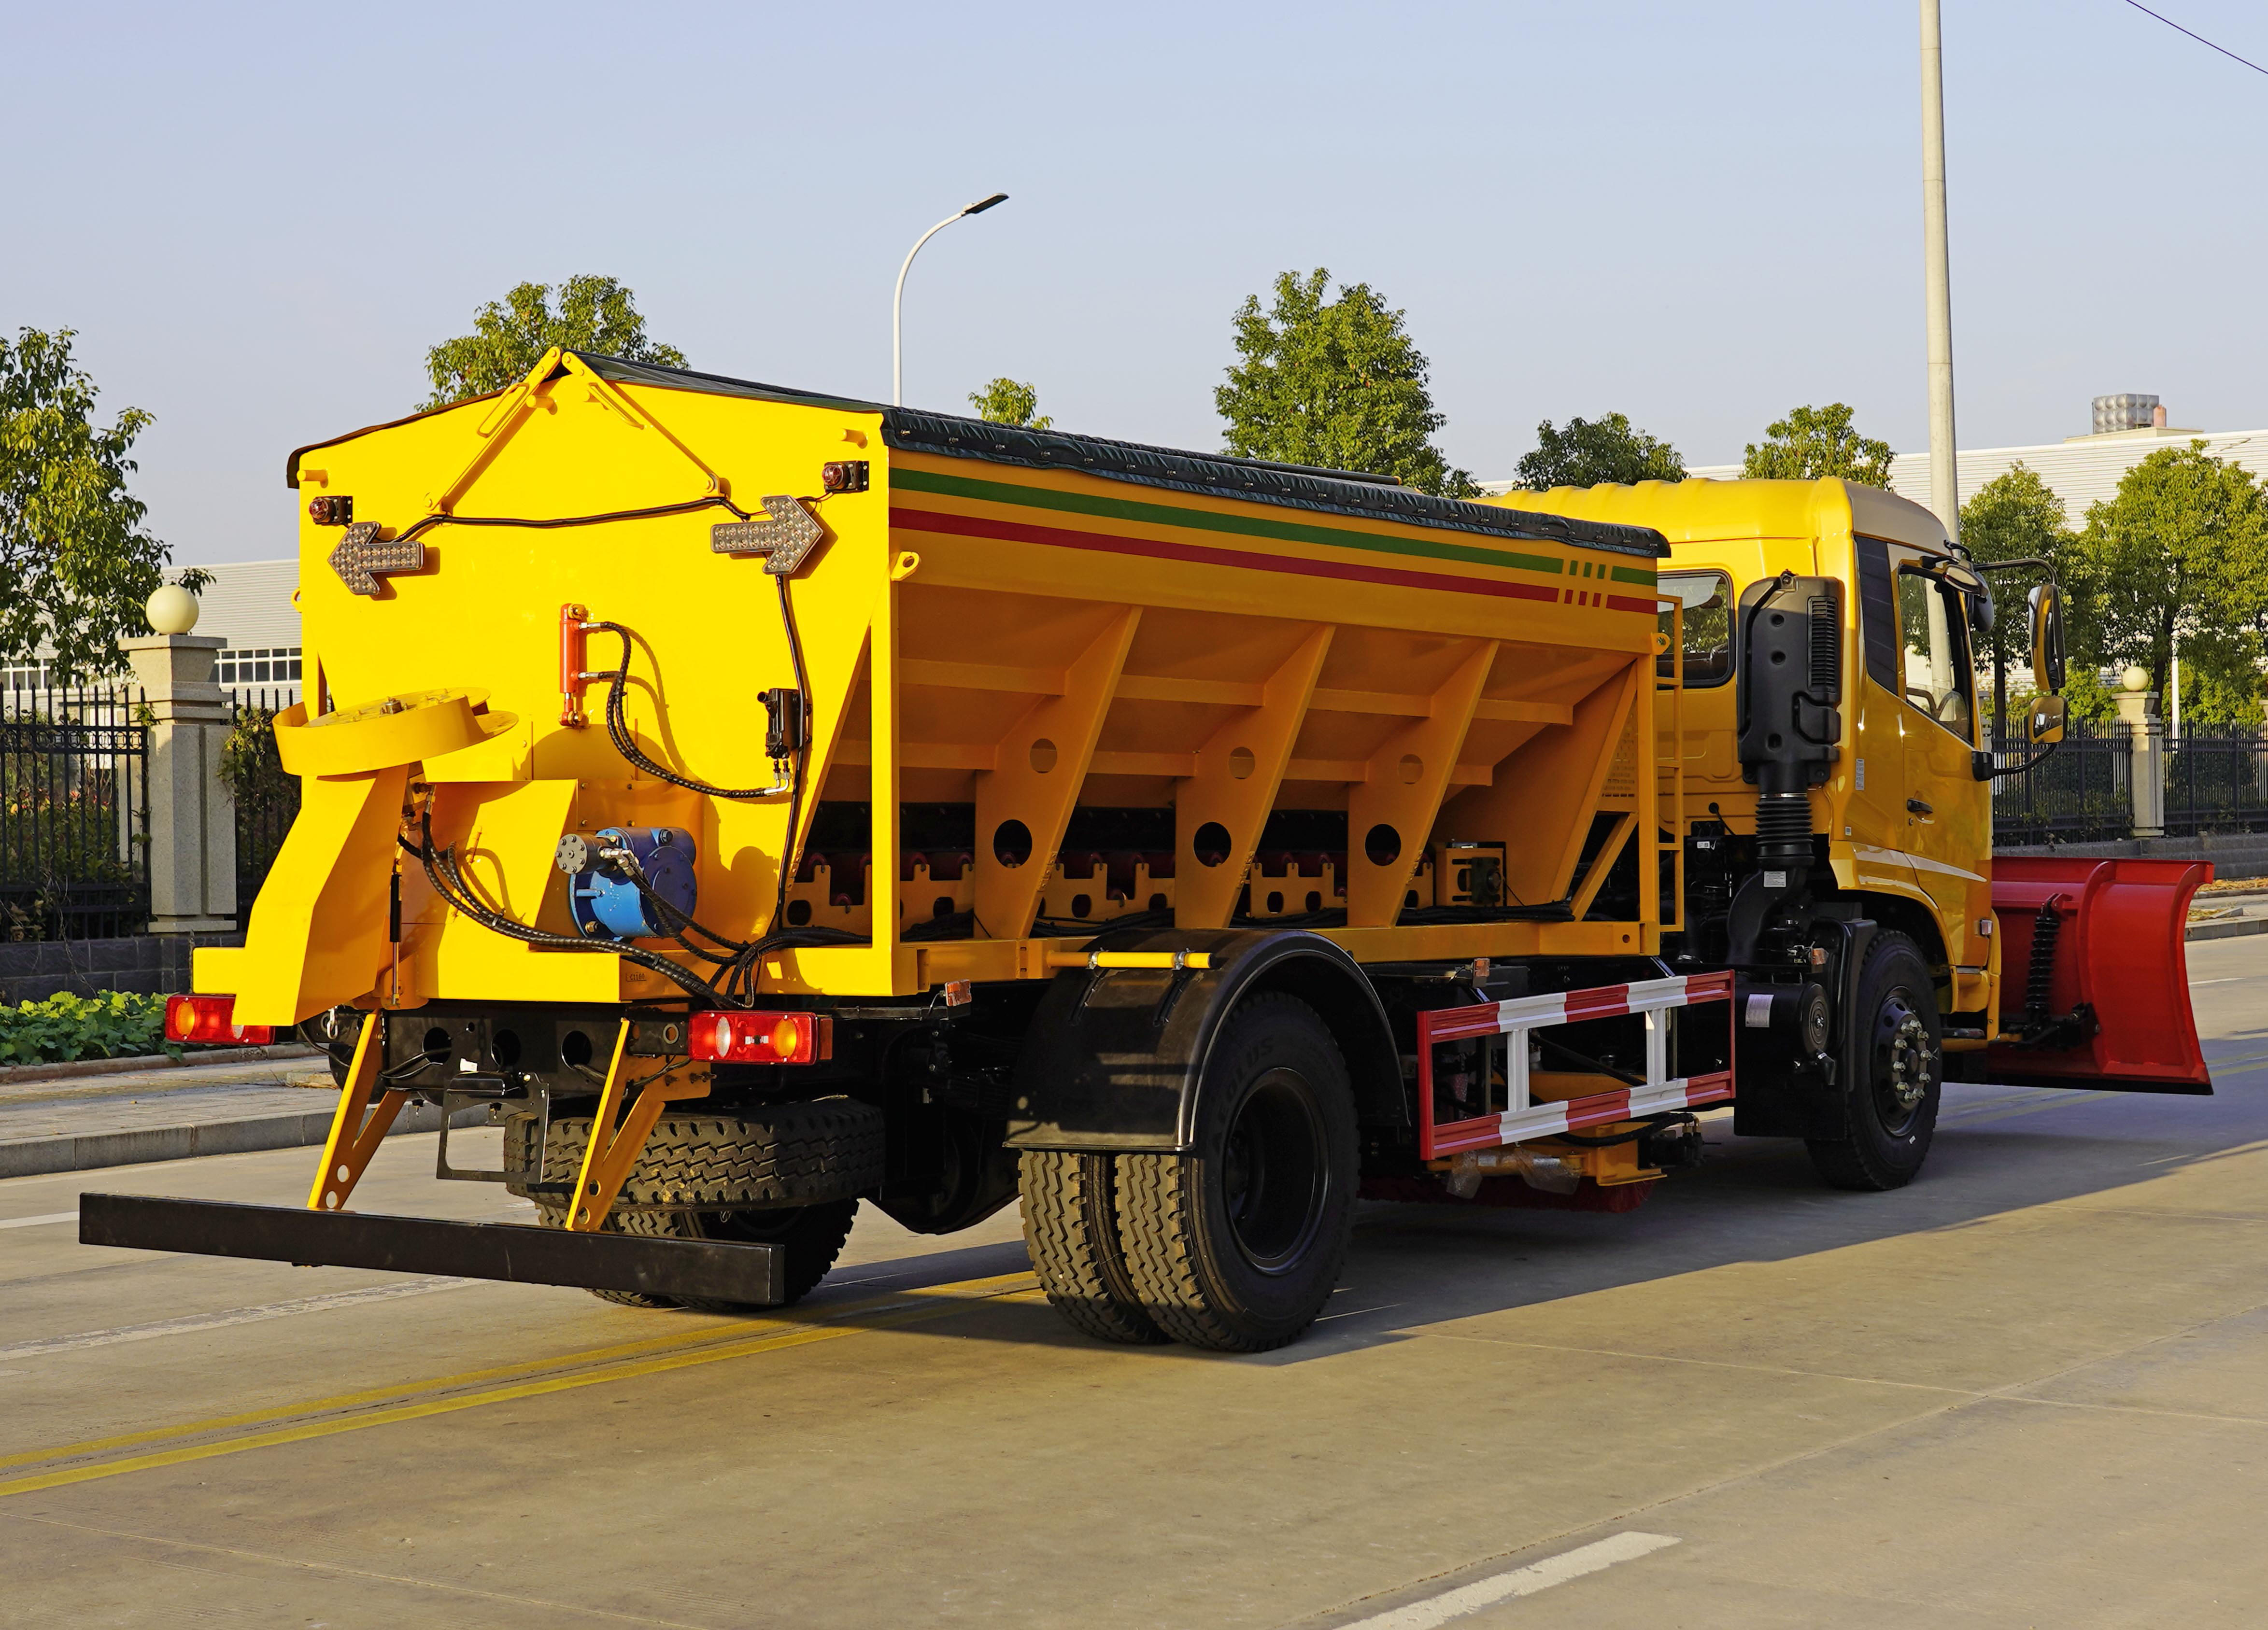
786	538
363	557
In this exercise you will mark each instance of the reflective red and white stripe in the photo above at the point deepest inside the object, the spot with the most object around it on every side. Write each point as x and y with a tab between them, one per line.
1523	1119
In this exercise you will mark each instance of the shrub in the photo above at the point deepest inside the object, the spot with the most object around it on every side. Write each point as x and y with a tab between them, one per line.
117	1023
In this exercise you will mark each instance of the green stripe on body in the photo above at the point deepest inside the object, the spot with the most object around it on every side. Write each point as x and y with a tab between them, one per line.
1254	526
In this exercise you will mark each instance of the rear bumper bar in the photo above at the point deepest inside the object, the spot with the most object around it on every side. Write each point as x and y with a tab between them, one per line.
715	1270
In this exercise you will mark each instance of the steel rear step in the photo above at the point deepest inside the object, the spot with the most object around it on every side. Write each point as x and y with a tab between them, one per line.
715	1270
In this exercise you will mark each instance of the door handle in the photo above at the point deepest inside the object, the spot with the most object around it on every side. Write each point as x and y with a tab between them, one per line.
1916	806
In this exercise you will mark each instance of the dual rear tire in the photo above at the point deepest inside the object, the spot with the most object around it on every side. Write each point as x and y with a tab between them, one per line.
1234	1247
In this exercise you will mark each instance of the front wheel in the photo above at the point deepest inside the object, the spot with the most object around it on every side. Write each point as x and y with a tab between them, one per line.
1237	1245
1890	1100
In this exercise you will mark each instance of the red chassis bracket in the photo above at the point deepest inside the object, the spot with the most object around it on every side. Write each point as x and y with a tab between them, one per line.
1521	1119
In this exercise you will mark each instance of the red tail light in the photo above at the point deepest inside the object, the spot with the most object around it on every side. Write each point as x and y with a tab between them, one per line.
761	1037
212	1019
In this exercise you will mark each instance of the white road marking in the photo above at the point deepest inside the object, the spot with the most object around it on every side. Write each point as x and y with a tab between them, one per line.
1556	1570
191	1323
52	1217
2231	980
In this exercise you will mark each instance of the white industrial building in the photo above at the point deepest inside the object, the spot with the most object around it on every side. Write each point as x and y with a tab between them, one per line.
249	604
2081	470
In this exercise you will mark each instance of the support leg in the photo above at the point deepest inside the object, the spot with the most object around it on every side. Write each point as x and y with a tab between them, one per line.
613	1153
359	1125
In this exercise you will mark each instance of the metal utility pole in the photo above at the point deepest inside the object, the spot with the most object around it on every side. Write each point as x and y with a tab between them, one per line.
898	299
1944	477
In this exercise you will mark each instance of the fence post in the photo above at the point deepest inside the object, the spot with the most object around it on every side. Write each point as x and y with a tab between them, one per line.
192	819
2145	746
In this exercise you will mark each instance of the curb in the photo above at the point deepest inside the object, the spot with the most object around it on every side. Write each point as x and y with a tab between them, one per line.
2232	928
88	1151
151	1060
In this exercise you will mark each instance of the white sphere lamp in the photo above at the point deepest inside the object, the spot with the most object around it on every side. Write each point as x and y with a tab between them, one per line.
171	610
2136	679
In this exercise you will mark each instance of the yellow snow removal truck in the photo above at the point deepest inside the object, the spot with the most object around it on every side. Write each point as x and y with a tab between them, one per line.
760	802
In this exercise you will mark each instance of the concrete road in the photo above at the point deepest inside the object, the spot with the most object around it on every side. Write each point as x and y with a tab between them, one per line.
2030	1389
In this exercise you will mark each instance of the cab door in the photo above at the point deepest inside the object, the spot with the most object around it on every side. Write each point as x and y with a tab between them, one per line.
1948	811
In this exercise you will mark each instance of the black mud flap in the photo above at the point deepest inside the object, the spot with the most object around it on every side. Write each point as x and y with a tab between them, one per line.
715	1270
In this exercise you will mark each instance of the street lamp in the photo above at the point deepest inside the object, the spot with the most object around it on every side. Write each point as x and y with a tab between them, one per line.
898	301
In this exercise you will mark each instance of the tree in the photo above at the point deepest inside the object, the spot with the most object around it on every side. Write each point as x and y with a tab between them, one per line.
1591	451
2178	556
1335	383
510	336
2013	516
1813	442
1004	402
75	563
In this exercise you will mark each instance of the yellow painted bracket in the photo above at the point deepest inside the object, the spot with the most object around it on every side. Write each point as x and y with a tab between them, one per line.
512	409
1199	959
612	1152
358	1127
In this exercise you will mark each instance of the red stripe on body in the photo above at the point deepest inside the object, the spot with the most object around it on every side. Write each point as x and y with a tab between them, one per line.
1112	543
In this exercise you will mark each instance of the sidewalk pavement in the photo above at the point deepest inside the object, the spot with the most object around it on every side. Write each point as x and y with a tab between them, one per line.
172	1113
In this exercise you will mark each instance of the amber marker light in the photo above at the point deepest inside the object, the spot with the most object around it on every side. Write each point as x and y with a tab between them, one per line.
760	1037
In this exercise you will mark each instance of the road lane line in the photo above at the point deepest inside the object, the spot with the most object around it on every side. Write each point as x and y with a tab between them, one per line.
52	1217
2061	1101
1555	1570
719	1328
310	1565
191	1323
934	1302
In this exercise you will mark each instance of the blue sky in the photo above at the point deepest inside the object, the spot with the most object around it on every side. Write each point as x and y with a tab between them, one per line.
258	217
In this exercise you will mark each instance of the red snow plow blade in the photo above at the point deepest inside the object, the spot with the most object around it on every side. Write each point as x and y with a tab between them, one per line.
2094	977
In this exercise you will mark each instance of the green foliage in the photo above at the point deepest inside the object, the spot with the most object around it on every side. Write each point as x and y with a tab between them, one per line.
2013	516
1005	401
510	336
75	563
117	1023
1813	442
249	766
2180	552
1333	383
1592	451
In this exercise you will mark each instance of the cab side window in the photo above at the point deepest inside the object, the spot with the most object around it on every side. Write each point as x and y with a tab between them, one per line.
1707	598
1935	672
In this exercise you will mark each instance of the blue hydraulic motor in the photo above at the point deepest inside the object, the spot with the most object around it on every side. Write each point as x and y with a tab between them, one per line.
623	881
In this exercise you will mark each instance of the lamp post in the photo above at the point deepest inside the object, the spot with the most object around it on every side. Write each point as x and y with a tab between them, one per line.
898	301
1944	479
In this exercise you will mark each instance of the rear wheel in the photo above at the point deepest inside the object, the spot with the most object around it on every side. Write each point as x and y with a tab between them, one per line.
1238	1244
811	1234
1070	1227
1890	1100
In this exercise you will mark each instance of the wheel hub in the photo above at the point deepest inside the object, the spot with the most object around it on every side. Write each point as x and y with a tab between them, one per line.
1905	1056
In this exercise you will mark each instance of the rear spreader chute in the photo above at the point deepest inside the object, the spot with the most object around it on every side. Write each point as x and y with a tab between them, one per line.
2094	976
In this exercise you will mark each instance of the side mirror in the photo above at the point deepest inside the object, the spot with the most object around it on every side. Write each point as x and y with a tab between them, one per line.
2047	646
2045	723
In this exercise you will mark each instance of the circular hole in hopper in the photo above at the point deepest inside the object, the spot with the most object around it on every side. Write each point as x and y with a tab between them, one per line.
1274	901
575	1047
437	1046
799	913
941	906
1240	763
1382	844
1082	904
1212	842
1158	902
1412	768
1315	900
504	1047
1044	756
1011	843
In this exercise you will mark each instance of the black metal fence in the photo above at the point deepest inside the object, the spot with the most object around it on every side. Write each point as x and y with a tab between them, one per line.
266	799
2082	791
2212	780
2077	794
74	814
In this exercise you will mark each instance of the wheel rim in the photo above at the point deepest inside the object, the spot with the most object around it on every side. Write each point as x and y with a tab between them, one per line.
1276	1171
1903	1061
